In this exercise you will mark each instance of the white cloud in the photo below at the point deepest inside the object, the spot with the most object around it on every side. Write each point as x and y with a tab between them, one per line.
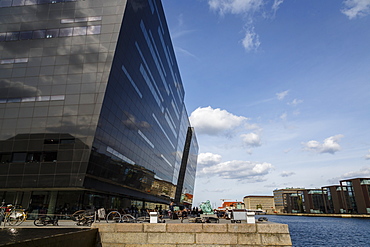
367	156
287	174
251	126
235	6
214	121
283	116
356	8
248	171
295	102
329	145
362	173
208	159
276	5
282	95
251	139
248	9
251	40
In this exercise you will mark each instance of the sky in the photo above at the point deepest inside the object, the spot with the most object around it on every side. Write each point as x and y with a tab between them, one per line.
278	92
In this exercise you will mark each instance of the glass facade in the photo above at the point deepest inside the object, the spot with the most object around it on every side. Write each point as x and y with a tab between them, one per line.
91	104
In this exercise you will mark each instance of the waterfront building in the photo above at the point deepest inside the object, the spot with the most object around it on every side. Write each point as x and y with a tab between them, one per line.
334	203
264	203
283	201
313	200
229	205
356	195
352	196
91	106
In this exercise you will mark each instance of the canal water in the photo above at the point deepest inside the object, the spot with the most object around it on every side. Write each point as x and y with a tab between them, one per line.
326	231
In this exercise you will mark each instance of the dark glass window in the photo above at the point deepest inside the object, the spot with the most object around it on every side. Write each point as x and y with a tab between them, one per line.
25	35
11	36
34	157
65	32
93	29
82	19
50	156
52	33
39	34
67	141
5	3
14	100
30	2
2	36
78	31
19	157
18	2
51	141
65	21
5	158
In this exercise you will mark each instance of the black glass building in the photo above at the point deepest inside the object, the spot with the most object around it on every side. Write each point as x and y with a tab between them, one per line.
91	106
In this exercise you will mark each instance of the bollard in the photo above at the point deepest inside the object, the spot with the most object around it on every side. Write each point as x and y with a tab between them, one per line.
153	217
250	218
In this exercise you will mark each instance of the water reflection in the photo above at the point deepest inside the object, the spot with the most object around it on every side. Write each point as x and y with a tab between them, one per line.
12	235
326	231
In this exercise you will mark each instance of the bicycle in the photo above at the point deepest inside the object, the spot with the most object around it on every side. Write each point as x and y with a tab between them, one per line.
45	220
12	215
116	217
84	217
113	217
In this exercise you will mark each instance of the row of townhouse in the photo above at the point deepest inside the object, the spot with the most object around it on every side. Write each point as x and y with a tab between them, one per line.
351	196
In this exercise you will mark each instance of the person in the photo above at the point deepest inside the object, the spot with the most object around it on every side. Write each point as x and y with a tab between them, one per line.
171	210
184	214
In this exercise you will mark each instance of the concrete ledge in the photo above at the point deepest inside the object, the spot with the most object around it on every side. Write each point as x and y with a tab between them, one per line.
129	227
171	238
184	227
216	238
272	228
192	234
242	228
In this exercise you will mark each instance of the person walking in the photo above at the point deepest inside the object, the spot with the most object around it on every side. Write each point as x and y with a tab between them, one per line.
184	214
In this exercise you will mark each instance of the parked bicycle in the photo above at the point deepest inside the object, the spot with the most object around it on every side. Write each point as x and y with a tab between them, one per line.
84	217
116	217
11	215
88	216
46	220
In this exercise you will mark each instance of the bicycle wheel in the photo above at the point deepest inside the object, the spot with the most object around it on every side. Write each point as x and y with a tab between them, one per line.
76	216
40	221
128	218
113	217
16	217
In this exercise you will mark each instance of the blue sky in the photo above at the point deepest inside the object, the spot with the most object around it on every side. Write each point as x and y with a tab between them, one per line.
277	91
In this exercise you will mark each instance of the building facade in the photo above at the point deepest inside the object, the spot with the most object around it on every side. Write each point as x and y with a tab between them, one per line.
356	195
286	199
313	201
352	196
264	203
91	106
334	202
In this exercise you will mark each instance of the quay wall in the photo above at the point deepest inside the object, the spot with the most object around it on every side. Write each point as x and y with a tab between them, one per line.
192	234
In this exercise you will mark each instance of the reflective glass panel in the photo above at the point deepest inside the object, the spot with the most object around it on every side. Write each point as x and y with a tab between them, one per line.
25	35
